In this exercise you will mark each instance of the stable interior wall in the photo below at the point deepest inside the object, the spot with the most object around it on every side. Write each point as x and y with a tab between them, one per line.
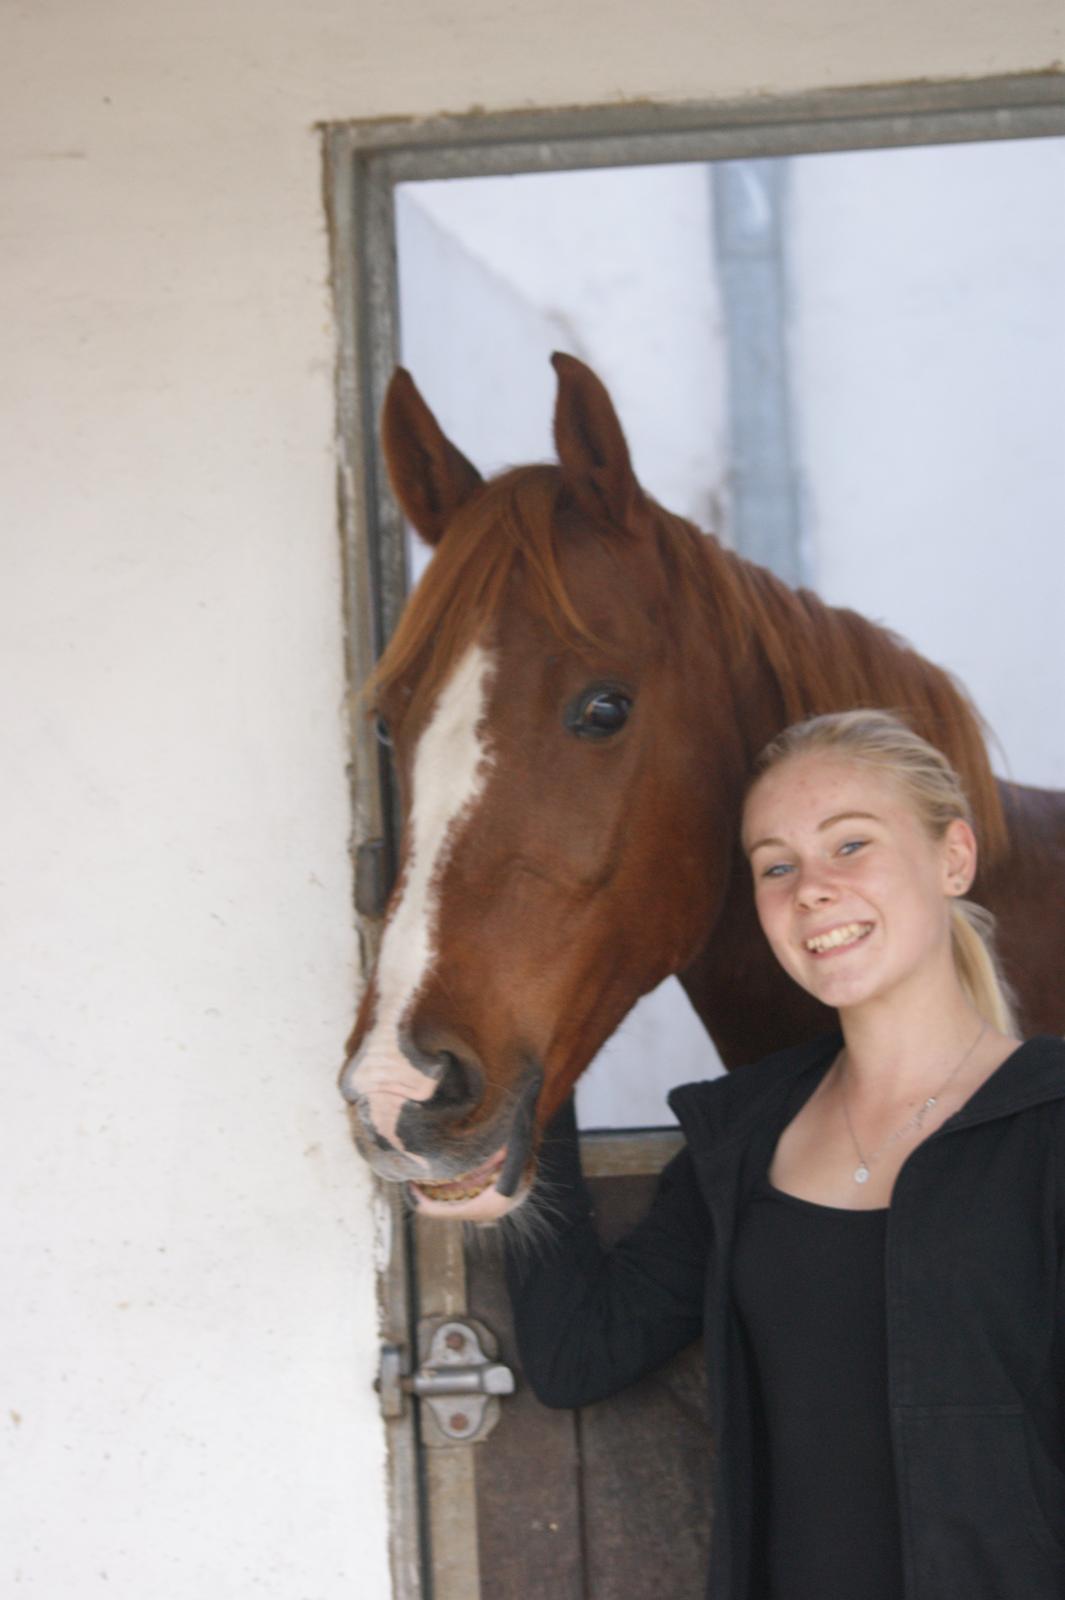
928	329
190	1331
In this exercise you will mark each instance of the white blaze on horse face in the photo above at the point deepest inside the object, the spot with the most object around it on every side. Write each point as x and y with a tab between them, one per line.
449	772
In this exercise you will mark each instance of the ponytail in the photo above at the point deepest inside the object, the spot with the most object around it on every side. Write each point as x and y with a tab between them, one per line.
972	930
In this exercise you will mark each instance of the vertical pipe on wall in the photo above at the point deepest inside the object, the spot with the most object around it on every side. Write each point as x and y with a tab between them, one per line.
749	210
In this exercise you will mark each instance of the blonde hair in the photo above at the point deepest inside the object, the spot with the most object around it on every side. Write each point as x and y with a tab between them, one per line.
884	742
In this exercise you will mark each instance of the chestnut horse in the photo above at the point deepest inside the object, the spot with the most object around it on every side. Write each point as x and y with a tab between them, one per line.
574	696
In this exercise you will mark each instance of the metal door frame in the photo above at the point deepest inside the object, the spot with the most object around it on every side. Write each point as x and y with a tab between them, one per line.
363	163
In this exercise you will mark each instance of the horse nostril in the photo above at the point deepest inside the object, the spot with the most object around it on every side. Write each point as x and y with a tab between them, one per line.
457	1085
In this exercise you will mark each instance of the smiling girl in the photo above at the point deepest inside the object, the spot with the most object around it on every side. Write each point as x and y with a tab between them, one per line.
861	849
867	1230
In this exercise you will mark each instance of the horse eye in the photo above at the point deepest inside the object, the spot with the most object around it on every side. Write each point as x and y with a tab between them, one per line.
599	713
381	729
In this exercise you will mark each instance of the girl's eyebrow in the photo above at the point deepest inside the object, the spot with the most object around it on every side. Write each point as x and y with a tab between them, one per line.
840	816
844	816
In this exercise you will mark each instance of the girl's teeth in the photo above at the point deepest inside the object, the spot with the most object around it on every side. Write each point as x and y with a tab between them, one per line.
849	934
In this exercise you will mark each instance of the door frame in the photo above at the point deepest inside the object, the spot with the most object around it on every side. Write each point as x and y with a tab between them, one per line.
432	1537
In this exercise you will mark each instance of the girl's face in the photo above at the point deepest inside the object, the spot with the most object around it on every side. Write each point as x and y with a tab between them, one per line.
851	892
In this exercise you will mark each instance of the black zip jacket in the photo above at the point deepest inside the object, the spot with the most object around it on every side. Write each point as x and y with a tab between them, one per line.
975	1293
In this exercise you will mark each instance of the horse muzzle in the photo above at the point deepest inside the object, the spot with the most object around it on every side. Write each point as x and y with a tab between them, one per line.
479	1173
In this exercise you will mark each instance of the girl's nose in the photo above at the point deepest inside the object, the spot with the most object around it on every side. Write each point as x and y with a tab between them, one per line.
811	888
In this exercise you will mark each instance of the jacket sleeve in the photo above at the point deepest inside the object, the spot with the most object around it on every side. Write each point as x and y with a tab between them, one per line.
588	1320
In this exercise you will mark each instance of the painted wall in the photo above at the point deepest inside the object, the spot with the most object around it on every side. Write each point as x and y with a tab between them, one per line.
189	1332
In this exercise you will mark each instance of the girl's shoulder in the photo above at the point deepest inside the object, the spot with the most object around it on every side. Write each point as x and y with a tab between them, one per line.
713	1105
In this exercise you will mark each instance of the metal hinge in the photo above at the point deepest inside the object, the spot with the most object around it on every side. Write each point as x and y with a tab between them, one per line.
458	1378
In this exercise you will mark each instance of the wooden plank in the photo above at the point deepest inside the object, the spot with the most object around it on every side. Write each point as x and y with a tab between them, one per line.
635	1152
528	1495
441	1268
450	1469
451	1491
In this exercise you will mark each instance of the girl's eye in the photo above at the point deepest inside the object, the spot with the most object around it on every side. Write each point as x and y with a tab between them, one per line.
777	870
851	845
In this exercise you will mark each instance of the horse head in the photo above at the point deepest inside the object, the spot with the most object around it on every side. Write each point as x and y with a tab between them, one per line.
553	730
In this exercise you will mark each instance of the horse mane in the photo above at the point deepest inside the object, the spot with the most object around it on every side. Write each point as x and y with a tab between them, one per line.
815	657
820	658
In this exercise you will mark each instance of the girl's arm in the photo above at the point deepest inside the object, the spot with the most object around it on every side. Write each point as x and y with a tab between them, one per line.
588	1320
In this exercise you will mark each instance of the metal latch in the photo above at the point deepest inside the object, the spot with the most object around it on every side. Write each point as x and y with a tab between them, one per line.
458	1378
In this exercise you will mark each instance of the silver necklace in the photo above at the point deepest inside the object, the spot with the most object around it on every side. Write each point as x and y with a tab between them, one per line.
861	1171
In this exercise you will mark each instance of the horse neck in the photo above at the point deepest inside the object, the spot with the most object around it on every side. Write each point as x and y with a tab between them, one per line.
790	655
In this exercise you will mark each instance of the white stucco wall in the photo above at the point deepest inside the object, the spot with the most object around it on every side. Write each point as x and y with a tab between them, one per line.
189	1330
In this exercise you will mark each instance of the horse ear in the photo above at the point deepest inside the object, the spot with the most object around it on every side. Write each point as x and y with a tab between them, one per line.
591	446
431	476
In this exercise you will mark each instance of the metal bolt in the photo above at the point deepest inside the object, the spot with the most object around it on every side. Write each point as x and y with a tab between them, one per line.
459	1422
455	1340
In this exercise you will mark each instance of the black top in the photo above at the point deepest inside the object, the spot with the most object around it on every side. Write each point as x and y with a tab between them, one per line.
976	1341
808	1282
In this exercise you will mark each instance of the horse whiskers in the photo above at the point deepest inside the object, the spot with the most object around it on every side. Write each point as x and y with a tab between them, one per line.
529	1227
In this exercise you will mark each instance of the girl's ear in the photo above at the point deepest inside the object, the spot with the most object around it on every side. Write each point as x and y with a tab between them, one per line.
430	476
959	857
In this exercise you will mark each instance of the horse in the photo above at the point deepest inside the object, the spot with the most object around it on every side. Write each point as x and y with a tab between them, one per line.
574	697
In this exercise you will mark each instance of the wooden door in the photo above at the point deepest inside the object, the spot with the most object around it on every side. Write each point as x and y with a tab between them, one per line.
609	1502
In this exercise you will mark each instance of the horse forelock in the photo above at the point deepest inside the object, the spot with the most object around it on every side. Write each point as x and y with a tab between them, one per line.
511	524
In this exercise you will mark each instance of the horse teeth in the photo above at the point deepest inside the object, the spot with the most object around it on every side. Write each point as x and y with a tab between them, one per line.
433	1190
444	1189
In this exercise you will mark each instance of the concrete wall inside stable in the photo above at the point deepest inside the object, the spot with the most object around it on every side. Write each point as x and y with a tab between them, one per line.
189	1332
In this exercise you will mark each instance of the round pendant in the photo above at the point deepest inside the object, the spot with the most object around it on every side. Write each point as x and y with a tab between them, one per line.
861	1174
